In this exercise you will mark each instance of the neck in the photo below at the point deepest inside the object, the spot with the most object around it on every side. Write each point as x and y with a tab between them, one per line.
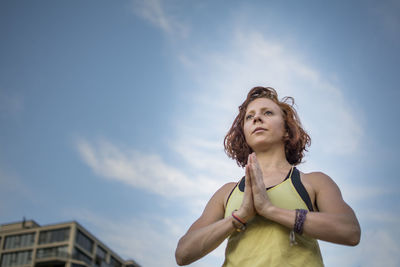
273	159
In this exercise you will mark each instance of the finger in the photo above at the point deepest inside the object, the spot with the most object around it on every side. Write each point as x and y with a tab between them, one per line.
248	167
252	171
255	162
254	179
257	182
247	181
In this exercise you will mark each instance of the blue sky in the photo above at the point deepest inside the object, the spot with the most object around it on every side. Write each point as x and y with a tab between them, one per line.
113	113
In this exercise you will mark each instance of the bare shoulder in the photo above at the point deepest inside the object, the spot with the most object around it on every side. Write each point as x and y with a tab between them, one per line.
220	196
318	180
227	187
215	207
327	193
226	190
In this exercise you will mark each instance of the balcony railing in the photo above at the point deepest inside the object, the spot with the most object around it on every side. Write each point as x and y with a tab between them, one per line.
53	254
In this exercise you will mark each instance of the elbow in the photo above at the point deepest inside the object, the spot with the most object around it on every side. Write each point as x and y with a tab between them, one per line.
181	257
181	260
353	238
354	241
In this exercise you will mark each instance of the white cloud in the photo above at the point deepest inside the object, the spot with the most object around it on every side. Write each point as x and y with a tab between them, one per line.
207	158
154	12
222	81
147	172
151	241
224	78
153	235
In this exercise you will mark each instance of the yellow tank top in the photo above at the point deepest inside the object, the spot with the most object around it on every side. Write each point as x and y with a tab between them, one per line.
266	243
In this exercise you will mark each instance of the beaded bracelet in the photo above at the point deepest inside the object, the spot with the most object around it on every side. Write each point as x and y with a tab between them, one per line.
300	219
298	225
237	219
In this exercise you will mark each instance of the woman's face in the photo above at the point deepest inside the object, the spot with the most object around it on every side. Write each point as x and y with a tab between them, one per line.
264	125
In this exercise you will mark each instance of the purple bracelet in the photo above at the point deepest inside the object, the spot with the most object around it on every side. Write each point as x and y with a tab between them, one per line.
299	221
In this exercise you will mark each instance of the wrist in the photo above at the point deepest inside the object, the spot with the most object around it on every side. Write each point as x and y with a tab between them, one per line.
242	215
268	211
238	223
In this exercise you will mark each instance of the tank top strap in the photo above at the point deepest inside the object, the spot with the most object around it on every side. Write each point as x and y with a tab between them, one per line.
301	190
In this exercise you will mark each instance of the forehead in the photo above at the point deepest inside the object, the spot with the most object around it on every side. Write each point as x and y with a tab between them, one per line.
261	103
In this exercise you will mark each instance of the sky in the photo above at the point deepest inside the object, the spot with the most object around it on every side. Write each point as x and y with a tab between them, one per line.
113	113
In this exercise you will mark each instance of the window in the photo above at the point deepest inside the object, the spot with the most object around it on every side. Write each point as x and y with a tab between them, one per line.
100	252
79	255
16	258
19	241
114	262
100	259
84	241
52	236
52	252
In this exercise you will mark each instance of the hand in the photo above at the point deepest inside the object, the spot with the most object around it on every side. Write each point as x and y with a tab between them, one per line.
260	198
246	210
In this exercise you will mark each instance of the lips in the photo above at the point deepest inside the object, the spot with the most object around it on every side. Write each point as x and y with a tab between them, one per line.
259	129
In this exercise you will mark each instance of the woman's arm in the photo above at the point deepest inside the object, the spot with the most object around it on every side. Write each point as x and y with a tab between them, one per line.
335	222
208	232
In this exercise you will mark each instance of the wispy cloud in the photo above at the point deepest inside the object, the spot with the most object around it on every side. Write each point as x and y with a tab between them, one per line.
144	171
221	80
151	241
134	237
154	12
251	59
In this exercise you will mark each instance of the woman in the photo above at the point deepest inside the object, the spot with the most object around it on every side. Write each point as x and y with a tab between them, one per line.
275	213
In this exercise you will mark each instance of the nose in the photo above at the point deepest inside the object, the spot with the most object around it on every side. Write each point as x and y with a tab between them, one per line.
256	118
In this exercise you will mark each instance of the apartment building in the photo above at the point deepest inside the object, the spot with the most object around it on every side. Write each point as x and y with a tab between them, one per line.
27	244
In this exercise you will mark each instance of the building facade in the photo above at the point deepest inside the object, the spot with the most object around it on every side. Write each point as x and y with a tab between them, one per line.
27	244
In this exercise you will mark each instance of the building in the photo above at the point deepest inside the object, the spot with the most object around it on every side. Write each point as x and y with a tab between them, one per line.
27	244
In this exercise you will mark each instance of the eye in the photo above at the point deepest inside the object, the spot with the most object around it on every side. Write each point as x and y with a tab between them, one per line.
268	112
248	117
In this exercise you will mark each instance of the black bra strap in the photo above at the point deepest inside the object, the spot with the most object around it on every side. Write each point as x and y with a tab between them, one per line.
301	190
241	183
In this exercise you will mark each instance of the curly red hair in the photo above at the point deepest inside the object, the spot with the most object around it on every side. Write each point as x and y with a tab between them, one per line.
295	143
